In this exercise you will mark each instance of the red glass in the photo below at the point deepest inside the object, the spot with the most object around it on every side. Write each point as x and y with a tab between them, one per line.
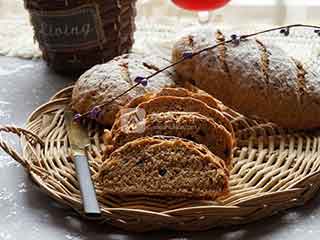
200	5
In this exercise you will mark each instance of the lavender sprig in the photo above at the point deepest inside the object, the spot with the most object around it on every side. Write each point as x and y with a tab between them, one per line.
187	55
141	80
285	31
77	117
235	39
95	113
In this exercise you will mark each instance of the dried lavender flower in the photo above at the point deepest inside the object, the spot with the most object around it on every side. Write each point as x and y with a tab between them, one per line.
77	117
285	31
141	80
94	113
235	39
187	55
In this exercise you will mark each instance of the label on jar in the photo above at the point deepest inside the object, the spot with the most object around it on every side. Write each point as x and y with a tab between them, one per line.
78	28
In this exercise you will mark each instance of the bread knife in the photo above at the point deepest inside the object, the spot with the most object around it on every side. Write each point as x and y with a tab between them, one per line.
79	140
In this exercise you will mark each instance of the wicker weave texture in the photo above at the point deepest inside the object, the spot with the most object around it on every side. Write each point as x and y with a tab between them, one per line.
273	169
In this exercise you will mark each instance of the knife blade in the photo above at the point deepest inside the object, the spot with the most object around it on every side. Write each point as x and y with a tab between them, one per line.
79	140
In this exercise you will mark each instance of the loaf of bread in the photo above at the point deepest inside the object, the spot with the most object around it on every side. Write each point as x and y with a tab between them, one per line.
165	167
257	79
178	104
190	126
104	82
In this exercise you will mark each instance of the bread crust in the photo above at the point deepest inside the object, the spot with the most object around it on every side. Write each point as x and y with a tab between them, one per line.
256	79
130	170
164	103
187	125
178	92
104	82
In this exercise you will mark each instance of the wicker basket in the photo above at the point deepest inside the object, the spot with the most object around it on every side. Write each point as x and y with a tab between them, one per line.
75	35
274	169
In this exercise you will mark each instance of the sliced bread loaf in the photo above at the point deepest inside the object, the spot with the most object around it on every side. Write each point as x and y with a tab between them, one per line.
185	104
191	126
165	167
179	104
177	92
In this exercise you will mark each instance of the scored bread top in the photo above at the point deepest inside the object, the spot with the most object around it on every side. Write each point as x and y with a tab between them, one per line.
105	82
255	78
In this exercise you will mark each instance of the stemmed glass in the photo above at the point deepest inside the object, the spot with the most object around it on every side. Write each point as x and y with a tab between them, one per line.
201	6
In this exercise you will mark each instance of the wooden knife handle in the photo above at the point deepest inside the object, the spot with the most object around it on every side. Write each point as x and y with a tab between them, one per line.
89	197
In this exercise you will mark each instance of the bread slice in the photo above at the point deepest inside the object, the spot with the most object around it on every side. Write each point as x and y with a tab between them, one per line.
164	167
178	92
191	126
179	104
185	104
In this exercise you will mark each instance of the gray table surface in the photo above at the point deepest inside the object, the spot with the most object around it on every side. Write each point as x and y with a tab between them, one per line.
28	214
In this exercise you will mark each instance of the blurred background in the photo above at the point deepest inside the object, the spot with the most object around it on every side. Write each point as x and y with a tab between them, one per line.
159	21
237	12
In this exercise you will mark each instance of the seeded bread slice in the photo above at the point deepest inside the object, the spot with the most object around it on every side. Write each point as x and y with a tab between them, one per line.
178	92
179	104
165	168
191	126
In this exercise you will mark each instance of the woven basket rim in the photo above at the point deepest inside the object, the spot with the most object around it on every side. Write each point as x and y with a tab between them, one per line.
247	209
